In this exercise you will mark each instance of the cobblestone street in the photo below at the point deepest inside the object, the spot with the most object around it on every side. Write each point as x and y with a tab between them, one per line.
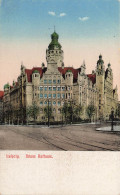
67	138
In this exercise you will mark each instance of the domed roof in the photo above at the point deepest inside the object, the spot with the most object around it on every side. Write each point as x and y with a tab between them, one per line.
54	42
35	71
100	56
54	35
100	61
6	86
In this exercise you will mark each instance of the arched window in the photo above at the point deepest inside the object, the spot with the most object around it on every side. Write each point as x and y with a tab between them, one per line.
54	103
41	103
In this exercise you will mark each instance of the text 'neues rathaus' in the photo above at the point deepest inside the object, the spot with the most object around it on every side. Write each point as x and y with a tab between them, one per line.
59	85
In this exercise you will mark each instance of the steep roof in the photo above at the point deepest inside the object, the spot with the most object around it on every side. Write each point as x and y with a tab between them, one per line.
1	94
61	70
30	71
74	71
92	77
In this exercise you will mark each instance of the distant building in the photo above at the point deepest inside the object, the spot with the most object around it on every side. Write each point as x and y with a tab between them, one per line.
60	84
1	106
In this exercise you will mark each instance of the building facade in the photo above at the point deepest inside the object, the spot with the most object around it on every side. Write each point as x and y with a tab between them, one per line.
1	107
56	84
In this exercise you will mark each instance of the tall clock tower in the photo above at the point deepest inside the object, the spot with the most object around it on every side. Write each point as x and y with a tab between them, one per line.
100	83
54	54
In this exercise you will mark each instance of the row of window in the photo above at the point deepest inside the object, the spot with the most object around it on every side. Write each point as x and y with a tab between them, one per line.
52	88
53	51
46	81
50	103
52	95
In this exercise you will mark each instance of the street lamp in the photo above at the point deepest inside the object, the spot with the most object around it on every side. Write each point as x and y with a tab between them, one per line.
112	117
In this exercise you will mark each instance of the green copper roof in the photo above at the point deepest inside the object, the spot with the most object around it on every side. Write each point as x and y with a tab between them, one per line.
35	71
6	86
54	42
54	35
69	70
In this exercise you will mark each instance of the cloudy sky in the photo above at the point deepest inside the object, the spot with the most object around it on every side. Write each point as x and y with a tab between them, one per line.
86	28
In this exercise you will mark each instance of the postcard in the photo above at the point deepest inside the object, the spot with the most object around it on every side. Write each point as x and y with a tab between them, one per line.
59	97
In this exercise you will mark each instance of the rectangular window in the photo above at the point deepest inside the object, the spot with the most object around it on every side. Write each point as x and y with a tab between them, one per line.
63	95
41	88
54	95
50	95
54	81
45	95
45	88
54	88
58	95
59	81
50	81
45	81
50	88
41	95
59	88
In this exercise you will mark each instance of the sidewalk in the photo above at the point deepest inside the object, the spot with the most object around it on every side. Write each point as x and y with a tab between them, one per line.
115	128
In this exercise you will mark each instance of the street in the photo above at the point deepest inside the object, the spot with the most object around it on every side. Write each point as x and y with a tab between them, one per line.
67	138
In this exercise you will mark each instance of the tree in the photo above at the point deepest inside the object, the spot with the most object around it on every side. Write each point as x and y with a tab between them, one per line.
46	110
48	113
90	111
71	111
78	109
32	111
9	112
66	111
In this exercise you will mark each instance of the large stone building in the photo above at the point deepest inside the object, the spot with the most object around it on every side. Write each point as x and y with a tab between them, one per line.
57	84
1	107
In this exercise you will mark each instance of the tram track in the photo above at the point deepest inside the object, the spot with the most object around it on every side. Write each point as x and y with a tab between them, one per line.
63	139
86	144
49	143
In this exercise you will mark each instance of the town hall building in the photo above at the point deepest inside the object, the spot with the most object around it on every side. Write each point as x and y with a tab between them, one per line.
57	84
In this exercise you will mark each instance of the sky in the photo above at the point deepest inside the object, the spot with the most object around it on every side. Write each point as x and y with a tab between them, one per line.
86	28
